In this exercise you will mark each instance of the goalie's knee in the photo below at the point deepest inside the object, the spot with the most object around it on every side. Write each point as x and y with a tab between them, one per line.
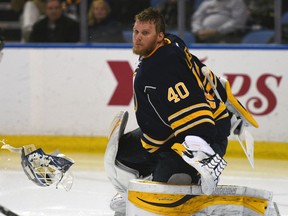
180	178
121	177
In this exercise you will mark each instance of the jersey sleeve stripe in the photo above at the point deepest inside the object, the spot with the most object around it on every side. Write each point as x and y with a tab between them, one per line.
148	147
154	141
220	110
198	79
226	115
191	118
151	144
187	127
188	109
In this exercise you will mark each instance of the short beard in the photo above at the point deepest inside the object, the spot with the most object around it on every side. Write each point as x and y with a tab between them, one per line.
147	51
143	52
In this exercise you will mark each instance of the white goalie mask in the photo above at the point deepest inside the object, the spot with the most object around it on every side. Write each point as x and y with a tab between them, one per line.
44	169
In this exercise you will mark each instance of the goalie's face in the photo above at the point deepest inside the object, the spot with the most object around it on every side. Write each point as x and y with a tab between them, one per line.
146	38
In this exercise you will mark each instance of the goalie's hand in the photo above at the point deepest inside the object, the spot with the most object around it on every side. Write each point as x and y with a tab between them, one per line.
210	169
237	125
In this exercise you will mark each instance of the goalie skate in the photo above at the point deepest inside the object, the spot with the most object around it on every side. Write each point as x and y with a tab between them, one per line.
118	204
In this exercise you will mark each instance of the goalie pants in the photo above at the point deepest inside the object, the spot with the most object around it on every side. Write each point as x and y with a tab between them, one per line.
162	164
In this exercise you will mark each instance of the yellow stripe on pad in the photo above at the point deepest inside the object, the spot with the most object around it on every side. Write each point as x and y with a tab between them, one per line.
238	106
175	204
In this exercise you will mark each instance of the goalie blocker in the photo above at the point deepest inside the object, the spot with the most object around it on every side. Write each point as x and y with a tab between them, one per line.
153	198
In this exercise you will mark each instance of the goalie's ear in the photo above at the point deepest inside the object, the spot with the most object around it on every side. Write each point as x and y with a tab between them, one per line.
161	36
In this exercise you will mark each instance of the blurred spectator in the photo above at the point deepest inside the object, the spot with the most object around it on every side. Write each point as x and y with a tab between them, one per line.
17	5
71	8
285	23
1	44
169	10
55	26
33	10
285	33
220	21
261	14
124	11
284	6
102	28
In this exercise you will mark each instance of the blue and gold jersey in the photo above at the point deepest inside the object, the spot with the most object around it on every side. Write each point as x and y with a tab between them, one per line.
172	97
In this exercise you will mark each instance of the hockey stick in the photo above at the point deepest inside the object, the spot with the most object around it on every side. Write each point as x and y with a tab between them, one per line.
249	150
7	212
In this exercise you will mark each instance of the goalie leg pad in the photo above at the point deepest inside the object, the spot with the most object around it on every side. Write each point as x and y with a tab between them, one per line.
156	198
119	176
234	106
120	182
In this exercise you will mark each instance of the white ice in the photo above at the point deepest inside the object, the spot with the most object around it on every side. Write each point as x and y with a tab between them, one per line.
91	191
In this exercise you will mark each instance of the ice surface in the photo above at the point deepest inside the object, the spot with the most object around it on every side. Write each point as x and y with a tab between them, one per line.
91	191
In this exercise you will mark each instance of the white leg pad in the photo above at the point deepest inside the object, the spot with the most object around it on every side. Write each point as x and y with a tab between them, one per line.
119	176
122	176
155	198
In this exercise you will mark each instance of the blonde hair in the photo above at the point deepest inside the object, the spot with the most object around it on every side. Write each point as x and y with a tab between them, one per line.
152	15
91	19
